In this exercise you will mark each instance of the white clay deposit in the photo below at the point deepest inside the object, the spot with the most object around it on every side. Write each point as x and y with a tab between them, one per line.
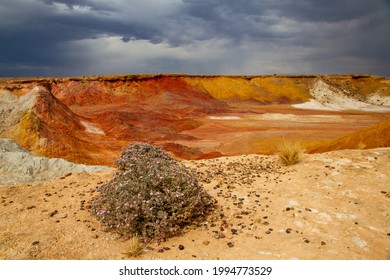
329	98
18	166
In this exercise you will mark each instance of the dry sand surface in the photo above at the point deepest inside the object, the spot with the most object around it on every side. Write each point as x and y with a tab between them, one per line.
329	206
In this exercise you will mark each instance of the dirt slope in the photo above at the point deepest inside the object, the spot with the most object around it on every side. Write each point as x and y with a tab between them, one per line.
377	135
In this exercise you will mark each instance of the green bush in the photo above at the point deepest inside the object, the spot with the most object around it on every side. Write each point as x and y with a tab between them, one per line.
152	195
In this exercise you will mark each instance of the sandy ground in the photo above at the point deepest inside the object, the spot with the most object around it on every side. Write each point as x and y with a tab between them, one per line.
329	206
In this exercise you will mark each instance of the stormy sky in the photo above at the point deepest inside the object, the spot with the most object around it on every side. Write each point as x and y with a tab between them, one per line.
95	37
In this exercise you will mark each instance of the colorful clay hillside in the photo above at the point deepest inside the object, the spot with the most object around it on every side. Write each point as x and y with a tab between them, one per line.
89	119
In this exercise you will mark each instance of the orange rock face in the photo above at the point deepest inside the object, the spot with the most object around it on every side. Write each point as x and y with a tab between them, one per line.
375	136
89	119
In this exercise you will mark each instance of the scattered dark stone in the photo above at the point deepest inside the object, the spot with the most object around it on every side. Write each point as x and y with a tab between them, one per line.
160	251
306	240
149	248
181	247
57	221
234	231
323	243
206	242
230	244
266	223
194	256
166	248
31	207
388	234
53	213
35	242
288	230
267	232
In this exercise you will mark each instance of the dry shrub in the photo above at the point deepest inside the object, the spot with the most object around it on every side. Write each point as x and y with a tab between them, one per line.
289	152
153	195
361	146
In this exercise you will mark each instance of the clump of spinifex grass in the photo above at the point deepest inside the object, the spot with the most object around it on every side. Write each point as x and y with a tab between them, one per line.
290	152
135	247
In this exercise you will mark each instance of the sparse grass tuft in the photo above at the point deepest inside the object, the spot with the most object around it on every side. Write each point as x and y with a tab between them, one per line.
289	152
361	146
135	247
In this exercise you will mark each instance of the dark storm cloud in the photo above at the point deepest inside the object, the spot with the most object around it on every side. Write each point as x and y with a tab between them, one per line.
71	4
77	37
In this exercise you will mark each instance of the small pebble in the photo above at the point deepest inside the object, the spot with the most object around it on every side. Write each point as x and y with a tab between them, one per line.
149	249
230	244
181	247
53	213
